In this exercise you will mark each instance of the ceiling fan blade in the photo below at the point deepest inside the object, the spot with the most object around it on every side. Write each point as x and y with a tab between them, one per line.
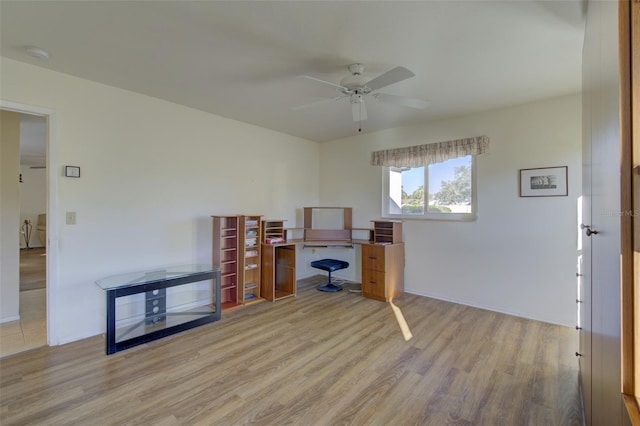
401	100
327	83
395	75
315	103
358	111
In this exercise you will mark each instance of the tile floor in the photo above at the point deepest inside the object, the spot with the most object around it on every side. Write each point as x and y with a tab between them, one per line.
30	331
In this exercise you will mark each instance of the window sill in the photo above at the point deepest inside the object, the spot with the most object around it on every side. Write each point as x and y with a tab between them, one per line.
447	217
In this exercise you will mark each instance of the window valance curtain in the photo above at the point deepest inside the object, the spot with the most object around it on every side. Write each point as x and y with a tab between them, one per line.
422	155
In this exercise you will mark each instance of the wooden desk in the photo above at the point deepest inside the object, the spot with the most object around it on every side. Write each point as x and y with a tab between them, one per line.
382	266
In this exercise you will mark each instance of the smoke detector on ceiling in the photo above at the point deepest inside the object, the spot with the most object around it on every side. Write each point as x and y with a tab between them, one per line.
36	52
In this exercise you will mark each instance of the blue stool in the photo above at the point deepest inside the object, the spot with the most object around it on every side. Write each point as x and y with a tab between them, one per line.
329	265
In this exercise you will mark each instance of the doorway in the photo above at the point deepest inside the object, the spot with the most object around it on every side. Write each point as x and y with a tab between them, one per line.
37	254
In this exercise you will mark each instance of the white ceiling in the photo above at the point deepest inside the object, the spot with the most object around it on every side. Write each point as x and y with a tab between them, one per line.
242	60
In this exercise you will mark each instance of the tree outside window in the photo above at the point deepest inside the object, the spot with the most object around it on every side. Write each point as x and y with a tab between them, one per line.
450	191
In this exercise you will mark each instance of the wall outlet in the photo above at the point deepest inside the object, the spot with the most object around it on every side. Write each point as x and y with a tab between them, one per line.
71	218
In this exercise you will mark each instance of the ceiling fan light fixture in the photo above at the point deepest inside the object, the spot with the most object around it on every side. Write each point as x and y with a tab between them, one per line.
356	99
358	110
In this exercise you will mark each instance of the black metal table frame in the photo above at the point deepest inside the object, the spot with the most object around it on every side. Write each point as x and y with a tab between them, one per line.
113	294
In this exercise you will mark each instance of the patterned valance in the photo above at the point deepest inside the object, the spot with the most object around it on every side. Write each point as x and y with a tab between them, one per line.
422	155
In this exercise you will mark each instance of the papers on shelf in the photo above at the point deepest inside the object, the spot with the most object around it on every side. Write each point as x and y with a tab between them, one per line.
274	240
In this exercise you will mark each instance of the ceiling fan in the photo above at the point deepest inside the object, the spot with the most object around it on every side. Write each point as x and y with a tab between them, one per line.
356	87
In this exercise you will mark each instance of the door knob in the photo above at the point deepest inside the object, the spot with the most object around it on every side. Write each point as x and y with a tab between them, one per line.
589	230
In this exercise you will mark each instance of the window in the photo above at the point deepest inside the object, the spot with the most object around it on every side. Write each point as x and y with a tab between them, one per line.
449	195
431	181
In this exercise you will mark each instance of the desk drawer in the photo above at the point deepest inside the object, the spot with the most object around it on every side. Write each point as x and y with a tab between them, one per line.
373	257
373	284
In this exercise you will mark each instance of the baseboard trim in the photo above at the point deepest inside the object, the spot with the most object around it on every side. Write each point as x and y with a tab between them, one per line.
9	319
488	308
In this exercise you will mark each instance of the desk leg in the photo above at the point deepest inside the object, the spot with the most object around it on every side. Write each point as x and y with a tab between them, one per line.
111	322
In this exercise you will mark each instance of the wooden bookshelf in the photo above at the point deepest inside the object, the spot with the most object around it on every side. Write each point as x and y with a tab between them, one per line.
225	254
250	259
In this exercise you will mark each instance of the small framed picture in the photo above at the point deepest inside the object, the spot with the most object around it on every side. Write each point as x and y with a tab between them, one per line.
544	182
72	171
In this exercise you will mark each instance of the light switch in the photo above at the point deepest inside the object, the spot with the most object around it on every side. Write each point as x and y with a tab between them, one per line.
71	218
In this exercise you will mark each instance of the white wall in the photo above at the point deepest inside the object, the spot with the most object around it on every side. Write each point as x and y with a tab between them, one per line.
10	216
152	173
33	201
519	256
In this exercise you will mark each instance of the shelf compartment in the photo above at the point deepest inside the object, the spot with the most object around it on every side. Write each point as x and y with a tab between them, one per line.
273	230
278	271
387	232
229	285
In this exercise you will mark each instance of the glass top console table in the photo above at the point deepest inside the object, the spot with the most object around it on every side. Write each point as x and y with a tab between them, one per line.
148	305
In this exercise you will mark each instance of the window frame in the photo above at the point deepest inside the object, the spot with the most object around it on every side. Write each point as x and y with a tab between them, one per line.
427	215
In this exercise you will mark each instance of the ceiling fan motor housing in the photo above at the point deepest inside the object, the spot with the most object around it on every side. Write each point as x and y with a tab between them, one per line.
356	69
356	81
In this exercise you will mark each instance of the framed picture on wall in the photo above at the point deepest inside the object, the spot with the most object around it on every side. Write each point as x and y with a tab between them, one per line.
544	182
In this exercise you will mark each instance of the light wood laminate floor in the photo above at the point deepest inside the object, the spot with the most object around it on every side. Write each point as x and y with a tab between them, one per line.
316	359
30	331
